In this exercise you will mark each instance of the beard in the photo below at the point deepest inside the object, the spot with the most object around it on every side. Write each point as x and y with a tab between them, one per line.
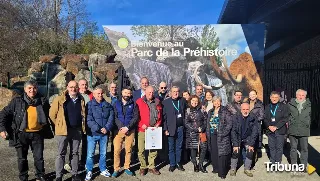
126	98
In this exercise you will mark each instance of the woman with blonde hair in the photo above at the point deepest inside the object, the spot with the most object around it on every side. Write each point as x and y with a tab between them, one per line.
219	126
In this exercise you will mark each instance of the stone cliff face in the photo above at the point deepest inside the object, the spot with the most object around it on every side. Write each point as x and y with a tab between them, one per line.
62	69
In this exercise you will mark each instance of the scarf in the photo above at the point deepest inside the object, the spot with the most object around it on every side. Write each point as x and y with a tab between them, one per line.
36	102
299	106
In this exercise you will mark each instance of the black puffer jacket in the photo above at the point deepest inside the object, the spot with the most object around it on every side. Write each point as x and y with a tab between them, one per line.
195	118
258	110
12	115
223	131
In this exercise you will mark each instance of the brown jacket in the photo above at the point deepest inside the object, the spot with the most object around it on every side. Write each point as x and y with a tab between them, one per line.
57	115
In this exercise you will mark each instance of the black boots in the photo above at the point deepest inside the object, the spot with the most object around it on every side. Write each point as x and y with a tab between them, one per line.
180	167
202	169
195	167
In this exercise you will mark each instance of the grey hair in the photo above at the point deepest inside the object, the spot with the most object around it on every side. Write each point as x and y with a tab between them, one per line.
175	87
83	80
99	87
30	82
109	86
216	98
301	90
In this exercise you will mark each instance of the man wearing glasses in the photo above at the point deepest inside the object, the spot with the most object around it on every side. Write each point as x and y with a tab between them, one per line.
68	114
235	106
163	92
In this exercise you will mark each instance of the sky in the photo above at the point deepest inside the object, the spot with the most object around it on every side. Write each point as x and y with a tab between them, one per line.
146	12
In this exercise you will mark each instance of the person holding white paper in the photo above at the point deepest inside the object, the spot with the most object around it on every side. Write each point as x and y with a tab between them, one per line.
150	115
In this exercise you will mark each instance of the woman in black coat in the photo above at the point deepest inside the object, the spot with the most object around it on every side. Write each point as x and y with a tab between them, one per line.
257	109
195	124
219	126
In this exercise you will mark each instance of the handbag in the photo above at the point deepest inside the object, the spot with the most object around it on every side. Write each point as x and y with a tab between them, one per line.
203	137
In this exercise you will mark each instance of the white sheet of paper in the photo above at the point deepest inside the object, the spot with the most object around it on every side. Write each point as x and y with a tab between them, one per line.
153	138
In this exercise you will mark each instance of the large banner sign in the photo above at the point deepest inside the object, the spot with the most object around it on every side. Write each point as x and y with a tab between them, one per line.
215	56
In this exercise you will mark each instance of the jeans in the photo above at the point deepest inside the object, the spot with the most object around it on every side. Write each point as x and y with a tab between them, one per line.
275	143
175	146
35	141
74	138
92	142
303	141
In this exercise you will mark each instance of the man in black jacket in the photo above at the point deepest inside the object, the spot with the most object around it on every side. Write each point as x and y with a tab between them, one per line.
21	122
235	106
173	115
275	119
243	136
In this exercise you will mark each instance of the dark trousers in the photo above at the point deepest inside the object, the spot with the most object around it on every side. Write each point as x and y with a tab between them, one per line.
84	144
303	141
223	165
175	147
203	151
243	154
275	143
35	141
214	152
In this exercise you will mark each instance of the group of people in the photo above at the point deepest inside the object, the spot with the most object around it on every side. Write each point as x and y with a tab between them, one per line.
196	123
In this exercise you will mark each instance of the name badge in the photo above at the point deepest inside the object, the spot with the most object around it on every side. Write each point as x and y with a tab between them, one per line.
273	119
179	116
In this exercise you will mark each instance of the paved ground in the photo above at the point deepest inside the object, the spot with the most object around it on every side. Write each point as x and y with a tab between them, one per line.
8	167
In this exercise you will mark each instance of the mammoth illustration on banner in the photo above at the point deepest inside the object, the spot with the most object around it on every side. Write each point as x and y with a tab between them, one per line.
242	74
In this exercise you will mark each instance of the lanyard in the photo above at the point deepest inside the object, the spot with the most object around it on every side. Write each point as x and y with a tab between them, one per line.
177	108
273	112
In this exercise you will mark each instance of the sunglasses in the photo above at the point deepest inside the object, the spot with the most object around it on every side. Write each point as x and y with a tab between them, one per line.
163	87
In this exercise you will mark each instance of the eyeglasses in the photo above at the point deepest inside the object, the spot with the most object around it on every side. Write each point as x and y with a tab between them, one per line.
163	87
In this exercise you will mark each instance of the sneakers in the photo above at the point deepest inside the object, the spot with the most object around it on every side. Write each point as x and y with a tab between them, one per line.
233	172
67	167
115	174
88	176
128	172
105	173
248	173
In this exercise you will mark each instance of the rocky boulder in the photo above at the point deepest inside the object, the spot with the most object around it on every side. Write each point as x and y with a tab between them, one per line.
6	95
14	80
96	60
47	58
35	67
85	74
110	70
82	59
101	78
59	81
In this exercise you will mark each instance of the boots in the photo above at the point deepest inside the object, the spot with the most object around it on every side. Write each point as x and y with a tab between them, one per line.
195	167
202	169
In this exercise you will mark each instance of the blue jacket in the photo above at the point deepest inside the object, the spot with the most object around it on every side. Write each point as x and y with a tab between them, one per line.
126	115
99	116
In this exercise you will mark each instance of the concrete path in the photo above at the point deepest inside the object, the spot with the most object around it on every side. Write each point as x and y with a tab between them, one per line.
8	167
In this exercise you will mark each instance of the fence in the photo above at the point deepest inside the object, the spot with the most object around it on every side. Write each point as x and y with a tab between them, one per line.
288	77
